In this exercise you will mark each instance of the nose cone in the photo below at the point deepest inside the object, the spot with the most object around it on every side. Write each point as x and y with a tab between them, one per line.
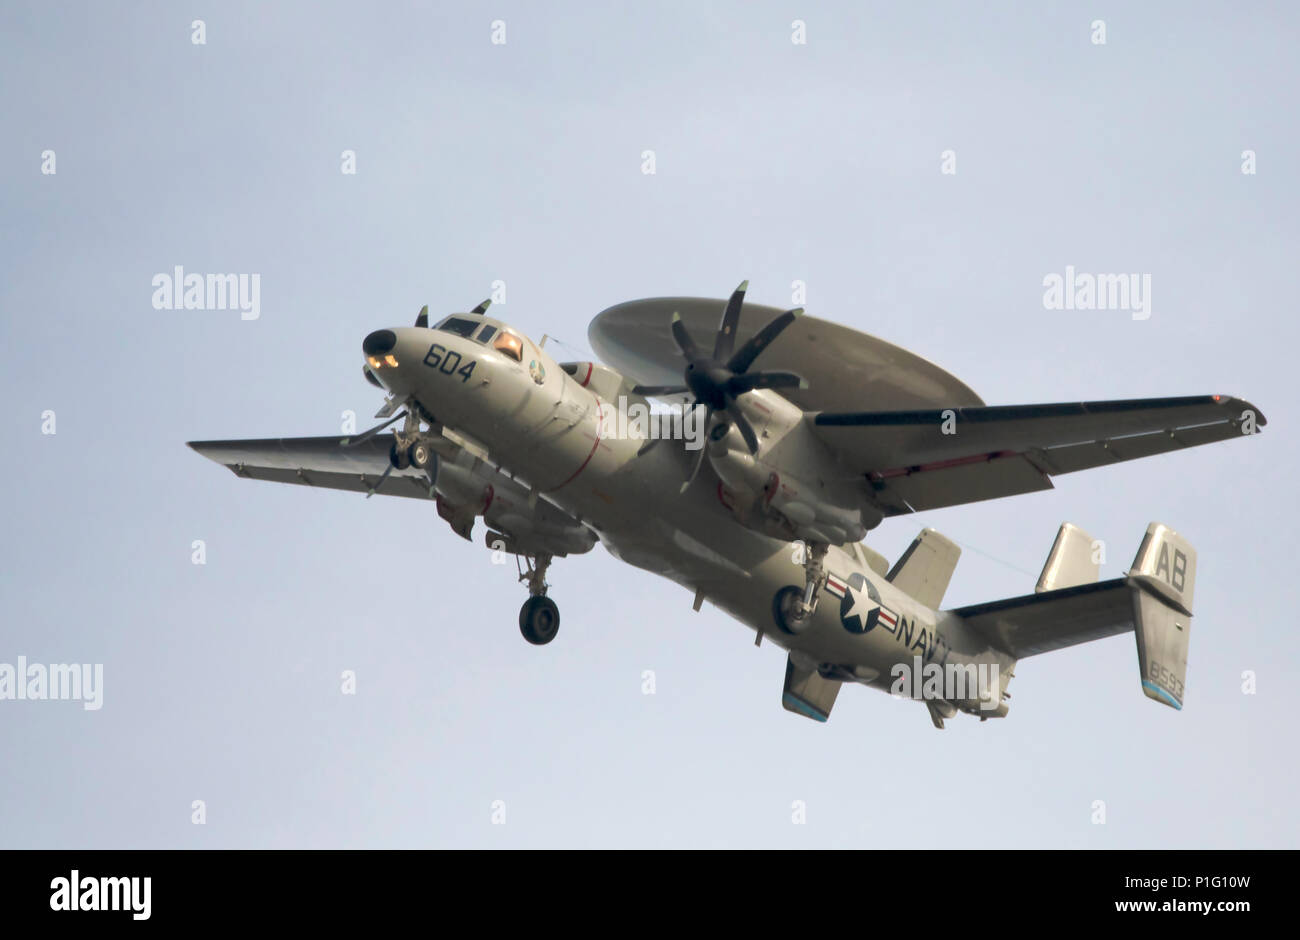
379	342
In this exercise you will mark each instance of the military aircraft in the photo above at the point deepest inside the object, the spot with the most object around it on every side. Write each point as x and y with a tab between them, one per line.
759	498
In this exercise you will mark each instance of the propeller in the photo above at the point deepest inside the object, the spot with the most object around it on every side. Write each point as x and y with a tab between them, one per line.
422	318
718	380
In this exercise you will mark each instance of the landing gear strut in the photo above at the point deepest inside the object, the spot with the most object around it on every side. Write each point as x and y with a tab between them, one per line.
792	606
539	618
814	578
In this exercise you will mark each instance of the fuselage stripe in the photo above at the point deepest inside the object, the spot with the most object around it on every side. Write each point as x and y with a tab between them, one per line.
600	408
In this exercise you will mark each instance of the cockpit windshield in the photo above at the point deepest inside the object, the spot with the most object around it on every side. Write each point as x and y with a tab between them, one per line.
461	326
511	345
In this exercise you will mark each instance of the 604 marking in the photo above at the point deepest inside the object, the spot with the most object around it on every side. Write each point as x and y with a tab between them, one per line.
448	362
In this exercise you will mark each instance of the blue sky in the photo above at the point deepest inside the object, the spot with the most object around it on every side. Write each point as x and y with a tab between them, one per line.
522	162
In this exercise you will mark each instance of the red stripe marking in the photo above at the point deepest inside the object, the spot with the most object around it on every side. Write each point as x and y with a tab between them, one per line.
941	464
587	378
600	408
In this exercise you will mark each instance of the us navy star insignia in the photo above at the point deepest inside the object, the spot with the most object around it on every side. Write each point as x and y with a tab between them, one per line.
862	606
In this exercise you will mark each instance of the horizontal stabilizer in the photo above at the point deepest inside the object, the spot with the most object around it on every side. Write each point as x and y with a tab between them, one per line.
924	570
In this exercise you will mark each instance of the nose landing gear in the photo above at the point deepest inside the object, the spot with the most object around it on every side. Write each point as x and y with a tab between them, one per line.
539	618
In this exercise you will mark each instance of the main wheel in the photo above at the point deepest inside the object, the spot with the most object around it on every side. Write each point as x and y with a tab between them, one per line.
539	620
420	455
397	457
784	604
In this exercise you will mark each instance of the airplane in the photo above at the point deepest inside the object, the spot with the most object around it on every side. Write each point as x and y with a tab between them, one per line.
759	497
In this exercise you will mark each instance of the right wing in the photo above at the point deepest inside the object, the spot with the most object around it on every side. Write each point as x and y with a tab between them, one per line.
917	460
317	461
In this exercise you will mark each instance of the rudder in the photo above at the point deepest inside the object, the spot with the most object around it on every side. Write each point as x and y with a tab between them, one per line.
1162	581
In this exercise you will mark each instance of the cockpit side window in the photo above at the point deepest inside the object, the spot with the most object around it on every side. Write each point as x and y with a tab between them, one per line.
459	325
486	333
510	345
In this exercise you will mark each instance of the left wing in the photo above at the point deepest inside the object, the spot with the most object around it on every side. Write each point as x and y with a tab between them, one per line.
916	460
467	487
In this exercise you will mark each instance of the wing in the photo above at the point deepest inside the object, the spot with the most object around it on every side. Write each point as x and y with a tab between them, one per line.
317	461
916	460
467	487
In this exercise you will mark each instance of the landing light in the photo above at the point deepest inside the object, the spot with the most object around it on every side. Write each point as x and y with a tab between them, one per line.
377	363
391	360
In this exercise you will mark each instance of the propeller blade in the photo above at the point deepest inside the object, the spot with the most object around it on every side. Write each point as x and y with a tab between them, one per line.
653	391
726	340
742	425
751	380
423	318
683	339
384	476
367	435
743	359
482	308
699	458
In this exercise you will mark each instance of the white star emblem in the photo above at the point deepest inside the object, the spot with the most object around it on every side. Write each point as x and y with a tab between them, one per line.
862	606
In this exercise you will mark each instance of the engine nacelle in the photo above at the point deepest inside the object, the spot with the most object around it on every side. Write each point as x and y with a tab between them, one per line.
782	505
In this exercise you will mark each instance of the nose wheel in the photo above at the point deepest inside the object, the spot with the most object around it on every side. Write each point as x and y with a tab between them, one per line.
539	618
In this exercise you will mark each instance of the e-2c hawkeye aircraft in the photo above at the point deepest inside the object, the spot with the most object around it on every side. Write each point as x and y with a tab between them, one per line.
762	507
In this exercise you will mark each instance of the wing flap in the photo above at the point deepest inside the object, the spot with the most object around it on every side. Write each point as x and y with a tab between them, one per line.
914	489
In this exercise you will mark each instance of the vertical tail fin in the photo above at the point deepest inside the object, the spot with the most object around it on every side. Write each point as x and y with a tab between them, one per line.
1162	581
1072	561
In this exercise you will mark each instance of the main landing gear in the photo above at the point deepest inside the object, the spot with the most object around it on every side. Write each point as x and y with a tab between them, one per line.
792	608
539	618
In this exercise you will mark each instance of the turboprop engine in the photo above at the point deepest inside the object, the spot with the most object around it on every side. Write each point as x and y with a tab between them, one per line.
777	477
779	500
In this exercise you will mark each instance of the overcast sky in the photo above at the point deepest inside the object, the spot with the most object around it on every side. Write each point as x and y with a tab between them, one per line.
522	162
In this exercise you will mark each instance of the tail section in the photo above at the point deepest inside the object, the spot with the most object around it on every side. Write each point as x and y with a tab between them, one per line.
1162	580
1070	606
